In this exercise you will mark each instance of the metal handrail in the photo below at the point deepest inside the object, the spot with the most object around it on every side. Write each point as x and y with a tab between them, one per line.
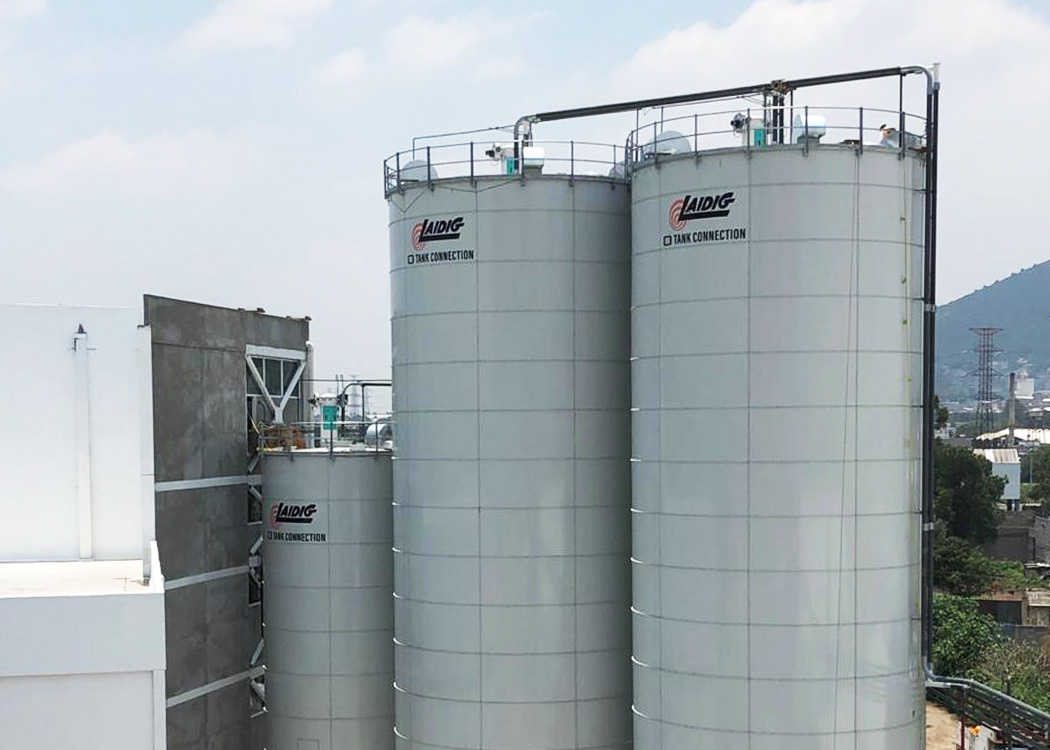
984	705
331	436
457	160
848	123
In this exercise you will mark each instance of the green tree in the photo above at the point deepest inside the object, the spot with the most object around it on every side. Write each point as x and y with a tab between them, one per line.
1036	464
961	635
966	494
1018	669
960	568
941	415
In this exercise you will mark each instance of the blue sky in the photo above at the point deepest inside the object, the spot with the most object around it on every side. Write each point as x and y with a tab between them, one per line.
230	151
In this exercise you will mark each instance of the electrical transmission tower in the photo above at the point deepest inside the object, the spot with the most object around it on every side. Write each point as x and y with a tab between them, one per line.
985	373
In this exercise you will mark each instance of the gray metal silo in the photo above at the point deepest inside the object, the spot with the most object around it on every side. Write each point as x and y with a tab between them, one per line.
328	598
777	323
511	335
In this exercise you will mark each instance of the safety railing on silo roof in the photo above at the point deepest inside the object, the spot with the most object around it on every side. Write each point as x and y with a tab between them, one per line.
751	127
339	424
486	159
367	434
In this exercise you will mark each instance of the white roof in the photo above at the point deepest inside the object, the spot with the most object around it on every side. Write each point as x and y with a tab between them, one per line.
999	455
1024	434
21	579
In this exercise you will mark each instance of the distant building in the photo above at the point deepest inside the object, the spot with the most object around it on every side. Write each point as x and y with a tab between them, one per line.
1021	435
1006	463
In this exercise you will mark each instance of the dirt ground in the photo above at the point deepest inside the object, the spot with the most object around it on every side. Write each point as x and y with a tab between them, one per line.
942	729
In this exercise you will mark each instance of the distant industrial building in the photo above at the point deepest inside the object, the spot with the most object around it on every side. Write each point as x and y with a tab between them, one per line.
1006	464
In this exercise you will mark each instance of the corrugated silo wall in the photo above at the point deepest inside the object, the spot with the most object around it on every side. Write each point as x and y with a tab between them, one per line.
329	606
776	376
511	475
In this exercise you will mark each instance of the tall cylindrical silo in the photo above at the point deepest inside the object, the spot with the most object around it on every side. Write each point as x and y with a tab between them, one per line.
511	463
776	375
329	599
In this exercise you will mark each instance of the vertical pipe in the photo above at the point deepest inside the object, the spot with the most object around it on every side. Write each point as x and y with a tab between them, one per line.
144	357
82	433
929	321
902	124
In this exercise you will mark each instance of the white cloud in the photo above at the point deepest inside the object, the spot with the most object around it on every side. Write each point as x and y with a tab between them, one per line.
132	169
495	67
994	64
340	69
243	24
13	10
469	40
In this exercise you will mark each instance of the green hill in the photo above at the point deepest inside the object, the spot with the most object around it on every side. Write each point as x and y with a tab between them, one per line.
1020	305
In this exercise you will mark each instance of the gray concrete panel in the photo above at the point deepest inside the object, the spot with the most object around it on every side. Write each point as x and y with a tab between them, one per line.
178	416
284	333
186	723
228	709
173	321
228	634
222	401
186	636
184	541
223	328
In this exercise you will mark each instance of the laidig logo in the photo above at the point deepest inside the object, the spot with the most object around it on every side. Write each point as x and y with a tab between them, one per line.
699	207
292	513
436	230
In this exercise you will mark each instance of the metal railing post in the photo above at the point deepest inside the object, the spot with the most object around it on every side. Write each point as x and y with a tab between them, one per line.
860	135
572	162
472	163
430	174
805	135
747	133
397	166
656	147
900	132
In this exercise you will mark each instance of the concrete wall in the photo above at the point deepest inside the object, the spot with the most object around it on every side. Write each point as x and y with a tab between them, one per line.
1041	539
201	456
72	438
1015	537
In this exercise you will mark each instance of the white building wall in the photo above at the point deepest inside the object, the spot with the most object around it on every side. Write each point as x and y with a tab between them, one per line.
82	632
1012	474
42	487
80	668
87	712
